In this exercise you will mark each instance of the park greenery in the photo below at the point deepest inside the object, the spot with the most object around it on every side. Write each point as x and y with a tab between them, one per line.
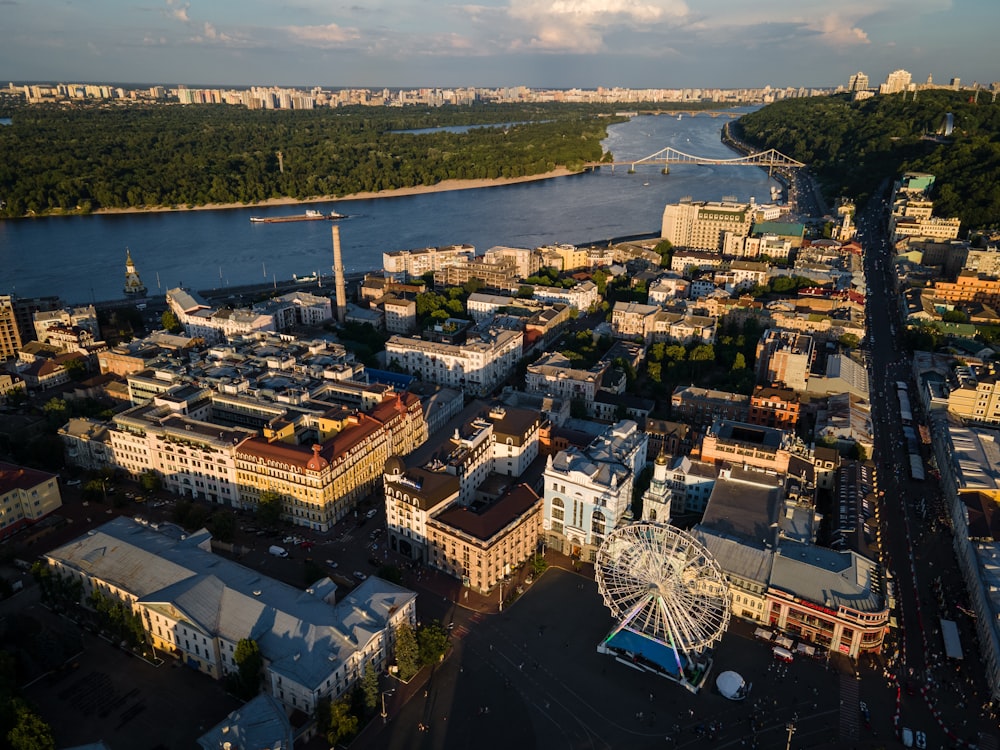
78	160
852	147
340	720
249	663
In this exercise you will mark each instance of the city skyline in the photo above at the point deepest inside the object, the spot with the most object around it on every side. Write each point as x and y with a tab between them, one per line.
552	43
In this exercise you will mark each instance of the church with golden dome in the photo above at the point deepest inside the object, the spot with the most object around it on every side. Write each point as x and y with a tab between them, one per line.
133	284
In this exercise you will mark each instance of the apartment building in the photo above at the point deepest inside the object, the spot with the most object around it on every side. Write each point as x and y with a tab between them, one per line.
26	497
785	357
478	366
774	407
703	225
581	296
555	375
702	406
743	444
528	262
969	286
632	320
493	272
403	265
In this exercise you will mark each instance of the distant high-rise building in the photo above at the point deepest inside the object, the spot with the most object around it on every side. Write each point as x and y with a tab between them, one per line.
956	83
858	82
896	82
10	337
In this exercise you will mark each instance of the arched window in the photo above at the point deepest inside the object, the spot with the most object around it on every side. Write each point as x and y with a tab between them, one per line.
598	522
557	509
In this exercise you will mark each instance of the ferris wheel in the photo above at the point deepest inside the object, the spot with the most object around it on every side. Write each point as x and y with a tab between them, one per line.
661	582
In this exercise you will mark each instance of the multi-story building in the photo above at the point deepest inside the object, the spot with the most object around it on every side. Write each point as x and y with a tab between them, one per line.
933	228
740	443
774	407
897	81
84	317
704	224
194	458
631	320
87	444
26	497
528	262
564	257
857	82
582	296
691	261
494	272
10	336
702	406
969	287
197	607
484	306
477	366
691	483
400	314
785	357
402	265
483	545
556	375
682	328
319	484
588	492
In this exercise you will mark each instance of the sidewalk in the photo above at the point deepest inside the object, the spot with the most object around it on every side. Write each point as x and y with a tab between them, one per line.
436	584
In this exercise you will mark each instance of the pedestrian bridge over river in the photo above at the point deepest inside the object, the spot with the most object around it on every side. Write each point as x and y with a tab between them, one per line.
669	155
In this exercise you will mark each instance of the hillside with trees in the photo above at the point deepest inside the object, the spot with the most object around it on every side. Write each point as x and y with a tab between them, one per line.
79	160
852	146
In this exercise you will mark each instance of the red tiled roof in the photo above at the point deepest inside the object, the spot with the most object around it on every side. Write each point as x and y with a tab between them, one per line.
14	477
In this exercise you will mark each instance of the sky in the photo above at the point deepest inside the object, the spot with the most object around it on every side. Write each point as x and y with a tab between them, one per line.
489	43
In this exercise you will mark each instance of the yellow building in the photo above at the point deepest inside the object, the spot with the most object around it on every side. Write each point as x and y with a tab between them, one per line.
321	483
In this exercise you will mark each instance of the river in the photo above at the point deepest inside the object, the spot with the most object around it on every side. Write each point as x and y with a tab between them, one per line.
81	258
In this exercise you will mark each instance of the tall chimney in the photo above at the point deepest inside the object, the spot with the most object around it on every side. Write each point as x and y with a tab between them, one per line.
338	273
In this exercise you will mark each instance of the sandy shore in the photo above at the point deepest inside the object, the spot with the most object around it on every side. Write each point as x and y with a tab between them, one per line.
440	187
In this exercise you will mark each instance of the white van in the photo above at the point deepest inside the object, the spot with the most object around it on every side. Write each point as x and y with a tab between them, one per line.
907	737
277	551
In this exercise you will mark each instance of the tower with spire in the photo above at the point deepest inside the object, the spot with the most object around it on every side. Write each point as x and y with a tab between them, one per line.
656	500
133	284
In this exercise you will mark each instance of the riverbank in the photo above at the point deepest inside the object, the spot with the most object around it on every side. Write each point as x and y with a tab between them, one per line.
441	187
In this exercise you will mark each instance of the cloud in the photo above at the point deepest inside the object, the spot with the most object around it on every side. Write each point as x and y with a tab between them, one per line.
838	32
583	25
181	13
327	36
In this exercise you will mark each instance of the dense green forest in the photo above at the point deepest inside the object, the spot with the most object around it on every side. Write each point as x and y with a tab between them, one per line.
56	159
852	146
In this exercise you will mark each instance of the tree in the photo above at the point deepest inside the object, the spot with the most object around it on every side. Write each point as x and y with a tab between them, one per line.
29	732
739	362
538	565
76	368
850	341
369	687
269	508
249	662
433	642
336	721
170	323
702	353
151	481
222	524
407	652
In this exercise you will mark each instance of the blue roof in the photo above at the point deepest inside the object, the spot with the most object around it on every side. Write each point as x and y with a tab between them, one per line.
654	651
398	380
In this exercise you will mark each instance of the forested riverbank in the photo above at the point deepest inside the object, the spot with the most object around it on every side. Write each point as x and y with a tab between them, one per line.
90	159
851	146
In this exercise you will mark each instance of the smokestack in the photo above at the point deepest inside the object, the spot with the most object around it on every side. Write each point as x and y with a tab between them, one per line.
338	274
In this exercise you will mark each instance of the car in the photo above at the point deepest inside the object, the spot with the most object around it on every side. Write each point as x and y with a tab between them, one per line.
331	563
359	575
372	513
921	740
72	482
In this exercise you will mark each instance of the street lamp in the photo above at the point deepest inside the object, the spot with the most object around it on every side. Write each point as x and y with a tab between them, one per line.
501	595
385	693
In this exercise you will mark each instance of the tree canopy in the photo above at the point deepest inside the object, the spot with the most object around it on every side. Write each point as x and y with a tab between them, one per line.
852	146
83	159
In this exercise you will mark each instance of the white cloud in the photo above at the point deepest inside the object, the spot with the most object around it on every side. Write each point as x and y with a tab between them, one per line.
326	36
582	25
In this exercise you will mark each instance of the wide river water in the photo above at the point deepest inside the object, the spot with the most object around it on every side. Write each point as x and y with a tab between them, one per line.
81	258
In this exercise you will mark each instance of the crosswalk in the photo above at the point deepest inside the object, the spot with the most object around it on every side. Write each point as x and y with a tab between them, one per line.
850	714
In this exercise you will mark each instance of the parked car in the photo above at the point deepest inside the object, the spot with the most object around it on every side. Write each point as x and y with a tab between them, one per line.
782	654
277	551
359	575
331	563
72	482
372	513
921	740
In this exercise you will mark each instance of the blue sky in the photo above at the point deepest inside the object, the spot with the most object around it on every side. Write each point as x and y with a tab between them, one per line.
538	43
